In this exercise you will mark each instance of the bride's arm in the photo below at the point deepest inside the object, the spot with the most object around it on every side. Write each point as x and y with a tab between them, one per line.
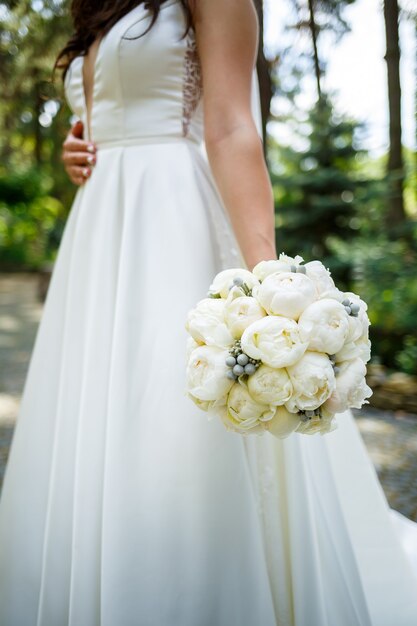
227	39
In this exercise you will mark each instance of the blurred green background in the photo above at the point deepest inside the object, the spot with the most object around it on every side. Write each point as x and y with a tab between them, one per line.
334	200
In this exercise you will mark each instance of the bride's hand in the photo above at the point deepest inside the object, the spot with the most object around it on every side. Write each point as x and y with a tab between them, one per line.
78	156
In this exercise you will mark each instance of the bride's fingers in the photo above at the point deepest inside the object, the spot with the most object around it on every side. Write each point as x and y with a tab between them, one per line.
78	158
77	181
72	144
78	174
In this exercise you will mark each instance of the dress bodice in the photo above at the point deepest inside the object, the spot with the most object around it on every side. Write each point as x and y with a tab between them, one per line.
144	87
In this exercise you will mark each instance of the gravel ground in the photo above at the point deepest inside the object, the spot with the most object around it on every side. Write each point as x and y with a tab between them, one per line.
391	438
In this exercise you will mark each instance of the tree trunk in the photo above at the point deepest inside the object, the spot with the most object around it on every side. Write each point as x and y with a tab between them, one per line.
37	127
264	76
395	169
313	30
415	112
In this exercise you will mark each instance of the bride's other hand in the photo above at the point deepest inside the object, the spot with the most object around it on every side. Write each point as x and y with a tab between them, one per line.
78	156
227	41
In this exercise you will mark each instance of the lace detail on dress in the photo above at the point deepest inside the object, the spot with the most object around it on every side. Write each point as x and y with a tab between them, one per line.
192	84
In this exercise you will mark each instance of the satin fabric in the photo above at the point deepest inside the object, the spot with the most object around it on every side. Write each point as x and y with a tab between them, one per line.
122	503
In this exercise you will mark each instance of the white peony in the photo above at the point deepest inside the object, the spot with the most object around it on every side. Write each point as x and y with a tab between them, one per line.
351	388
359	325
243	413
273	340
204	405
360	349
190	345
241	312
265	268
324	325
209	406
364	346
224	280
234	293
334	294
283	423
313	380
286	294
206	323
321	278
206	373
289	260
323	424
269	385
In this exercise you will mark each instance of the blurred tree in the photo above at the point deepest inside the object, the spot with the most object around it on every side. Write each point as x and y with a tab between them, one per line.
315	17
33	121
317	184
33	115
317	189
408	12
384	271
264	73
328	13
313	29
331	196
395	167
32	32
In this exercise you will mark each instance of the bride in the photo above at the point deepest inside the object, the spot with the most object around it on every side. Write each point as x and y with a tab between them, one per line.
122	505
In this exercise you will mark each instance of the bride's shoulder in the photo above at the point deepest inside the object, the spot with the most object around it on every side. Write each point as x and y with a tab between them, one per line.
241	13
225	27
227	37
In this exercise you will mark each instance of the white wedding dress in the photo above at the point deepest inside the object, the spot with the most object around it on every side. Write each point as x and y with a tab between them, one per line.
122	504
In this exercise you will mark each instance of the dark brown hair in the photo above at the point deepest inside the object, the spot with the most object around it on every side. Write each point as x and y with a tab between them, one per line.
94	18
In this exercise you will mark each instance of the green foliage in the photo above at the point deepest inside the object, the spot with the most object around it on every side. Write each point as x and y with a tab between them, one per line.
34	188
31	220
331	204
329	15
384	274
406	359
318	190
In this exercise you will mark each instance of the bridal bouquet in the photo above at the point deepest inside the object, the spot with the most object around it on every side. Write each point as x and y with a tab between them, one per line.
278	349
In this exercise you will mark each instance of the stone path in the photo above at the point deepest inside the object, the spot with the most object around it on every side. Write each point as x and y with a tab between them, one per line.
391	439
20	312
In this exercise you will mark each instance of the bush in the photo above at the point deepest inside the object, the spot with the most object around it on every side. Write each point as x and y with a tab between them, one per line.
384	275
407	357
31	221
